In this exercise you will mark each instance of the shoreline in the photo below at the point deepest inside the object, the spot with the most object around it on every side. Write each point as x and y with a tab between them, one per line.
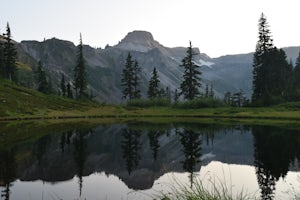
138	116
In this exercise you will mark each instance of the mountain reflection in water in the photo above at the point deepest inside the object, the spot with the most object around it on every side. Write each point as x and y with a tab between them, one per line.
139	154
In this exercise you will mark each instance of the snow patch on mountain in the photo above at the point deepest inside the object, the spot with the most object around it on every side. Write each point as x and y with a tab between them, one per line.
205	63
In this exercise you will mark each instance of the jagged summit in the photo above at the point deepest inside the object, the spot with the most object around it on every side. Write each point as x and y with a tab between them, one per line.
141	41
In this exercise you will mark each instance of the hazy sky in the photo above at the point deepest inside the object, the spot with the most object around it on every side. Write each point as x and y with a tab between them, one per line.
217	27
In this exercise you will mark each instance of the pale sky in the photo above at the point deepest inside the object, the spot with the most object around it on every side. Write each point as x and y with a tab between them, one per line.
217	27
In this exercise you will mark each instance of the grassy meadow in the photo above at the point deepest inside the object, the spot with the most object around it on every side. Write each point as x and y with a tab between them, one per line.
20	103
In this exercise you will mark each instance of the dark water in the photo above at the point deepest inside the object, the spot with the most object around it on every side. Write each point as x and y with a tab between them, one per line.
137	161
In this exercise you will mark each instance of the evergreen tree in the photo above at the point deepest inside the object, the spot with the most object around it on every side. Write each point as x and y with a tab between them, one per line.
294	89
136	80
206	91
10	55
271	71
153	89
238	99
279	73
227	98
127	81
69	91
153	137
41	79
2	66
191	77
8	171
191	143
260	59
162	93
296	74
63	85
176	95
80	154
80	82
168	94
49	86
211	92
131	147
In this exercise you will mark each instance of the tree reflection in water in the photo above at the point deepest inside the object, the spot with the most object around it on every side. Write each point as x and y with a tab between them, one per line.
156	150
40	148
80	153
153	137
7	171
130	148
275	150
191	143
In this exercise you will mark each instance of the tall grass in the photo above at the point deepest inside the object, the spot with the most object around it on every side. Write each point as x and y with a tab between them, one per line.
200	103
213	190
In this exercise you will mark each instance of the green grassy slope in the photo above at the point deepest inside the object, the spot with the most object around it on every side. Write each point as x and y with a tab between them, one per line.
16	101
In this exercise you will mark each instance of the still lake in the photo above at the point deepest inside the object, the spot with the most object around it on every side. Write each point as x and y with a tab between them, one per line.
140	160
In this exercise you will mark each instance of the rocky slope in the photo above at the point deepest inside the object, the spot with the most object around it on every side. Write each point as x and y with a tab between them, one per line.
104	66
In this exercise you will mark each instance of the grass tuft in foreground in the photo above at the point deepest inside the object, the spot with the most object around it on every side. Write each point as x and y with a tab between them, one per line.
200	191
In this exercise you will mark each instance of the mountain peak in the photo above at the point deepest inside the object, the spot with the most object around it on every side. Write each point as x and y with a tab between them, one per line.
141	41
138	36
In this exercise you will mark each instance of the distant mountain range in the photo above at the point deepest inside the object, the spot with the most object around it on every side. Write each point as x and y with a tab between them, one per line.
104	66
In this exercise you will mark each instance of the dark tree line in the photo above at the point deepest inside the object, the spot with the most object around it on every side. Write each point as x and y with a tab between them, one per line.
271	71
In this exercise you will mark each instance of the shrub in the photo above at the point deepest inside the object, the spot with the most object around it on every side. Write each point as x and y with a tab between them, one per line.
200	103
144	103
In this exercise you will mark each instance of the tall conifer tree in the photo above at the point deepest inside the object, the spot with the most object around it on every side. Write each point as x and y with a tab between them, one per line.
211	92
260	59
41	79
69	91
80	82
153	89
271	71
63	85
136	80
10	55
127	78
2	66
191	77
296	74
294	92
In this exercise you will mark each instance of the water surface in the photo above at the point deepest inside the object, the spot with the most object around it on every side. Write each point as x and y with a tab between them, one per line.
140	160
